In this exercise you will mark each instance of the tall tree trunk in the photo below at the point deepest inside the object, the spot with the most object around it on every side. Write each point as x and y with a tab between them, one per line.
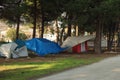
18	26
109	40
57	31
42	23
42	19
97	43
61	35
18	23
34	22
69	30
69	25
111	36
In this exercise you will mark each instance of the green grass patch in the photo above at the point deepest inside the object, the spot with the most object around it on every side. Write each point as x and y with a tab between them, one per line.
27	70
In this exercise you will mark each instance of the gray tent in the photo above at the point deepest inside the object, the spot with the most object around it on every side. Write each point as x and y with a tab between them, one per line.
72	41
8	51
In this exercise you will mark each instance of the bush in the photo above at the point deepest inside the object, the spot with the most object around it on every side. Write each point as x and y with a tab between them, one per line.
11	34
22	36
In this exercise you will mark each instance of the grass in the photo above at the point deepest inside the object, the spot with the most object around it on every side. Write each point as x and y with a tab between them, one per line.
28	70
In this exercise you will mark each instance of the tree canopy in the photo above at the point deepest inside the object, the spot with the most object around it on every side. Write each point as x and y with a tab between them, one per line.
101	16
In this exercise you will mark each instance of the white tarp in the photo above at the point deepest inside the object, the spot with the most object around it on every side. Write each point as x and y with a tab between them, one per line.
73	41
8	51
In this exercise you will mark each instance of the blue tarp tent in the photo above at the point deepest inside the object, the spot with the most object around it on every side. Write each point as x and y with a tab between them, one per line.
43	46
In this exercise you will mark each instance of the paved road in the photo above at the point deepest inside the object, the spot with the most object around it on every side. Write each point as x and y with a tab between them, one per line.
108	69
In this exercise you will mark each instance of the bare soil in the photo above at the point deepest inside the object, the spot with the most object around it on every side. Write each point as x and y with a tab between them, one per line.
51	57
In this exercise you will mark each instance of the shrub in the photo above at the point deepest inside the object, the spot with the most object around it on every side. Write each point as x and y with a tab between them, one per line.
11	34
22	36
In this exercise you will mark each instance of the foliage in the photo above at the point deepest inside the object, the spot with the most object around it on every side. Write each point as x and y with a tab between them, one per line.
87	14
22	36
11	34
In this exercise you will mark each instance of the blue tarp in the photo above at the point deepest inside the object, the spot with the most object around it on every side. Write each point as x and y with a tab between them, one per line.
20	43
43	46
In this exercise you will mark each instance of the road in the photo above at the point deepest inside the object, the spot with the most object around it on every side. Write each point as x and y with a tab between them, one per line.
107	69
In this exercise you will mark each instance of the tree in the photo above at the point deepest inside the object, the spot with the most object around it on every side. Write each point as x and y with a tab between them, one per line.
77	13
35	17
15	10
11	34
97	14
111	19
105	12
50	10
45	11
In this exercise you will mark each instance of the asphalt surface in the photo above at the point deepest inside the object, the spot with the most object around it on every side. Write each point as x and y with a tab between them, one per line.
107	69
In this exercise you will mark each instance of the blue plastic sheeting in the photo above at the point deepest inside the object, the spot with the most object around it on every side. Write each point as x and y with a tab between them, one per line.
20	43
43	47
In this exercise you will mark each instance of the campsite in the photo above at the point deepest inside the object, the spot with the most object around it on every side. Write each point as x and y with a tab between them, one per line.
39	57
39	38
33	63
29	60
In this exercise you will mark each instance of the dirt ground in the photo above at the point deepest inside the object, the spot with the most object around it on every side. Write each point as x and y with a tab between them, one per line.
35	58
